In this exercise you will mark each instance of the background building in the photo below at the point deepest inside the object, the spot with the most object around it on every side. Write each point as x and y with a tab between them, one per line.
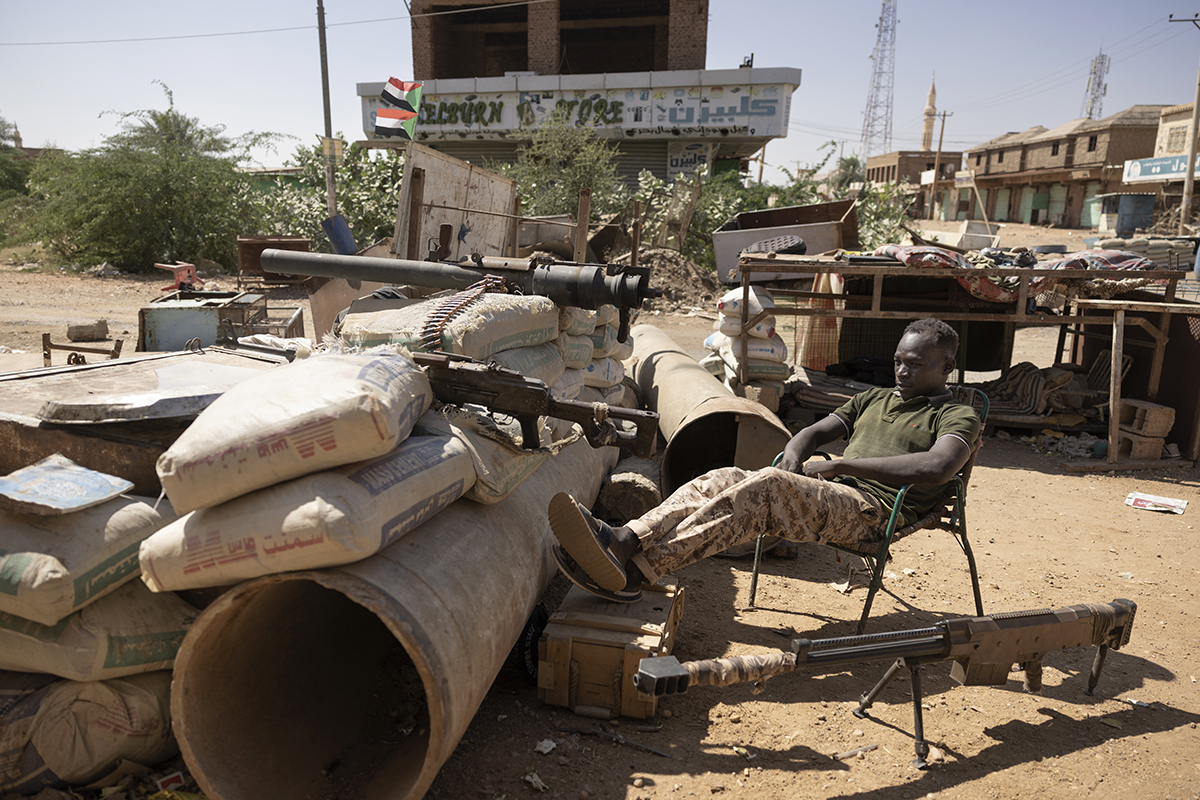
633	70
1041	176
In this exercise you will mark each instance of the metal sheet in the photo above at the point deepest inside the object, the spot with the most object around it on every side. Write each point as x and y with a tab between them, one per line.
57	485
179	402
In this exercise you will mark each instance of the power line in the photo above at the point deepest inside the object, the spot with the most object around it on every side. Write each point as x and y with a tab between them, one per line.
265	30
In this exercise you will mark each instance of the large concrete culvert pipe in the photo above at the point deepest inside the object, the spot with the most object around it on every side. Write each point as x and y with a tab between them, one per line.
359	681
705	424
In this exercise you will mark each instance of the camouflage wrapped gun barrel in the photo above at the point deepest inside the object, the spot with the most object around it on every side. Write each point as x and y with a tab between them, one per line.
983	650
457	379
567	284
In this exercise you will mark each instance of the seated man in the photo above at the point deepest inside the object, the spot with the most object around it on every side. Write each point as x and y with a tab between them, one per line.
913	433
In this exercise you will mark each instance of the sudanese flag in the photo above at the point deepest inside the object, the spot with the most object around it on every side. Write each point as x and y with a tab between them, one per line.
404	95
395	122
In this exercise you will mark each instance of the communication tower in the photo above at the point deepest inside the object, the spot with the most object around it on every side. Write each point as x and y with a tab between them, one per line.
877	120
1093	98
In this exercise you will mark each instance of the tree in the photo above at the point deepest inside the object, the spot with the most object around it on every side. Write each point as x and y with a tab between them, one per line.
164	188
368	195
14	165
560	159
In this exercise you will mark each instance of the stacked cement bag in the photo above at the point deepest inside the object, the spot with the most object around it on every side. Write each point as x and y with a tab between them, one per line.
306	466
85	649
56	733
1162	252
604	375
766	365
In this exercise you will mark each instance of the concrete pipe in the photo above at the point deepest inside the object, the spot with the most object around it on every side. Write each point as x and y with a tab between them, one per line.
359	681
706	426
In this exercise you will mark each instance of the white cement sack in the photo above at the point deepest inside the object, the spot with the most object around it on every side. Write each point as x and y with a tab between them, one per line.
501	464
59	733
568	385
576	350
308	416
609	395
604	338
489	324
607	314
730	304
126	632
576	321
622	351
757	369
603	372
53	566
541	361
772	349
322	520
732	326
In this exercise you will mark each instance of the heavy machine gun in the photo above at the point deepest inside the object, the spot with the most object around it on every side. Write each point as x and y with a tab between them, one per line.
983	650
567	284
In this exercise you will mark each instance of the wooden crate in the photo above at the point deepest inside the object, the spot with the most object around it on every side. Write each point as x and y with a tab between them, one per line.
590	650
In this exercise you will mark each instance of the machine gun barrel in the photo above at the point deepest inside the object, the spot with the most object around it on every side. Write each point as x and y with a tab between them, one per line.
581	285
982	649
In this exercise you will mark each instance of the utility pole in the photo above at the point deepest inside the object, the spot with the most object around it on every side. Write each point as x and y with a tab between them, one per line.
937	165
330	177
1185	208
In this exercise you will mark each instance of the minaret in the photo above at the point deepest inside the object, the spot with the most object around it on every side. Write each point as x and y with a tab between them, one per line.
930	114
16	137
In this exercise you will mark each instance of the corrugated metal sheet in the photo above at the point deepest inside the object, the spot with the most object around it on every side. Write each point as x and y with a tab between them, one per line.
637	156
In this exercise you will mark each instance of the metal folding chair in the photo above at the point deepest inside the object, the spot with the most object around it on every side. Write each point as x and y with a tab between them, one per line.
948	514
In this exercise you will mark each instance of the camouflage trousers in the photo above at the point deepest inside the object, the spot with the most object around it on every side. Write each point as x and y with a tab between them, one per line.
729	506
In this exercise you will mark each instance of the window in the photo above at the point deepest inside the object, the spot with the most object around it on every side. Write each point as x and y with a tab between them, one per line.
978	159
1092	143
1000	157
1054	149
1176	139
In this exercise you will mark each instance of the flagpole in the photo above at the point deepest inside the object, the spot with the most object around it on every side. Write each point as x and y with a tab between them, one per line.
330	177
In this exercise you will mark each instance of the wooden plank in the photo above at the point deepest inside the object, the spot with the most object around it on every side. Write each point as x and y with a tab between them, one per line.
605	623
1114	385
416	198
1105	466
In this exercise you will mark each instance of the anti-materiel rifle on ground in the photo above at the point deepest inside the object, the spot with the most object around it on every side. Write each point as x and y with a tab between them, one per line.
983	650
458	380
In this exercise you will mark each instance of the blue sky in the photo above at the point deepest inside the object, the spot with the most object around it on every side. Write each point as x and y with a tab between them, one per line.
1000	66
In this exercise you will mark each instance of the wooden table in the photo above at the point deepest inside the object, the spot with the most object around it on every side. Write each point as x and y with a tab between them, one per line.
1014	313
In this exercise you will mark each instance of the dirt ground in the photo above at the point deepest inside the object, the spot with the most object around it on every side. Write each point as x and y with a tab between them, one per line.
1043	537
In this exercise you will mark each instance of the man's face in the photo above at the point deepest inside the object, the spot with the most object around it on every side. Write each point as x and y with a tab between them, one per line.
921	367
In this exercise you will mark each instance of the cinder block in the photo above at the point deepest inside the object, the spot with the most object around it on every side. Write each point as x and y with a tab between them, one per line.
1139	448
1146	419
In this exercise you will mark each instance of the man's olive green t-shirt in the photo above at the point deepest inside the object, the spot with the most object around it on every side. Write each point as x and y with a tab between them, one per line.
881	423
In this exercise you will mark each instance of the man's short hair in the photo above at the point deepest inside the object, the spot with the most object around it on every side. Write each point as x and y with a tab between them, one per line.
944	337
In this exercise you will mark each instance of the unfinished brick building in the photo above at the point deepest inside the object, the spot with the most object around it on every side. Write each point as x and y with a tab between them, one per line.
559	37
632	70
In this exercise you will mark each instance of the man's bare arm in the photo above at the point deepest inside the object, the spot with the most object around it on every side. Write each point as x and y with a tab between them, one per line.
937	465
804	444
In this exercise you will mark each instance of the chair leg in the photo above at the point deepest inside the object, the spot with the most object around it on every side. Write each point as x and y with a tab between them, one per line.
966	545
758	551
879	564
